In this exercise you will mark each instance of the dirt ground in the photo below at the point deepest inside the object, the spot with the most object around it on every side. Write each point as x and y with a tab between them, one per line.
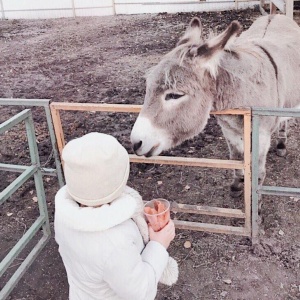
103	60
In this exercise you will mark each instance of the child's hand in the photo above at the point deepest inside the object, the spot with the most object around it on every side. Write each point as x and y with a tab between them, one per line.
164	236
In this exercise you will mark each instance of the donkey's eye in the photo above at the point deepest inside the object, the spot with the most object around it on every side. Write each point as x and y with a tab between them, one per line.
173	96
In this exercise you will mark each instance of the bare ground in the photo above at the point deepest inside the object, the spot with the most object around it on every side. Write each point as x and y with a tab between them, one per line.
104	60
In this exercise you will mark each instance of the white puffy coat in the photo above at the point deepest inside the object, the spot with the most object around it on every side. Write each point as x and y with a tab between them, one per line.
103	250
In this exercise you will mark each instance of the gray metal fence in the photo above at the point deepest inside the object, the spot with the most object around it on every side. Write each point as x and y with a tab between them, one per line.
259	190
27	172
42	221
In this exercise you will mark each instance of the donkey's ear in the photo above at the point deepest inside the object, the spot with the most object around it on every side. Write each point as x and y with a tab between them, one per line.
225	39
193	34
211	52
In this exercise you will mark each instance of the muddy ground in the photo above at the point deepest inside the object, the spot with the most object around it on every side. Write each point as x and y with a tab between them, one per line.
103	60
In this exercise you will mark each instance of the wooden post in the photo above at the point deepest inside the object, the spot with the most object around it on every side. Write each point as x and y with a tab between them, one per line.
273	8
57	128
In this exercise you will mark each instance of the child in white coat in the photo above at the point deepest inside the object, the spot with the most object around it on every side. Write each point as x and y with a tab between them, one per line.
100	228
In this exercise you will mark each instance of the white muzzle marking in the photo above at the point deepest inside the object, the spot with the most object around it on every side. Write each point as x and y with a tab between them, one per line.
150	139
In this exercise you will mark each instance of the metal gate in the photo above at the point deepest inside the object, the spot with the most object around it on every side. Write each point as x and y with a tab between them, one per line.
42	221
257	190
27	172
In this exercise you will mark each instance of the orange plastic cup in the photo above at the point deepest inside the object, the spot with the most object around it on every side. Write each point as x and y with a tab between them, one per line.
157	212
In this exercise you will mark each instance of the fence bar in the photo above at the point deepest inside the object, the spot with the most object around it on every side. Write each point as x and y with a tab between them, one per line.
34	155
4	293
14	120
40	192
125	108
207	210
32	141
159	3
213	228
2	10
13	168
279	112
188	161
24	102
247	171
63	9
255	166
20	169
8	191
280	191
95	107
49	172
14	252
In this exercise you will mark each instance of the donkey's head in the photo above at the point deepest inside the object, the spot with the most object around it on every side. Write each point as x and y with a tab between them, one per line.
180	91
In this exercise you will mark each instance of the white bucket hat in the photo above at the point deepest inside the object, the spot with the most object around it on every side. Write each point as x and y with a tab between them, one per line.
96	168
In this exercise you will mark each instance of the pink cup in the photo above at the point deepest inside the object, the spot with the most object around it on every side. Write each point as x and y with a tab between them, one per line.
157	212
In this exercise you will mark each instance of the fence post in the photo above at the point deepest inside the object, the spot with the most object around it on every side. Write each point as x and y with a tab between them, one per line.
38	179
236	4
247	171
114	7
2	10
255	163
73	8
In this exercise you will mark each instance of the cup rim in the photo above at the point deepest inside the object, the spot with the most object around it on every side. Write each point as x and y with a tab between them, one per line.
158	199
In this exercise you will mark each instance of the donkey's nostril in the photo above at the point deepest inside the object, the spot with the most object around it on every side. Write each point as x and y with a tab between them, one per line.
136	146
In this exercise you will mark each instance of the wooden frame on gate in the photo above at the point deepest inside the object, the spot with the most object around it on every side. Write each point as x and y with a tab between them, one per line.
182	161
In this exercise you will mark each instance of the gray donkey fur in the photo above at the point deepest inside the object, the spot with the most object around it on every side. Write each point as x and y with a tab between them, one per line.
259	67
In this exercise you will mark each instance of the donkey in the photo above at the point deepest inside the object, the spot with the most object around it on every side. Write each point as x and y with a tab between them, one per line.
259	67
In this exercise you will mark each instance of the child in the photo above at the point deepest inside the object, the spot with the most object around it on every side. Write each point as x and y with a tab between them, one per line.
100	228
